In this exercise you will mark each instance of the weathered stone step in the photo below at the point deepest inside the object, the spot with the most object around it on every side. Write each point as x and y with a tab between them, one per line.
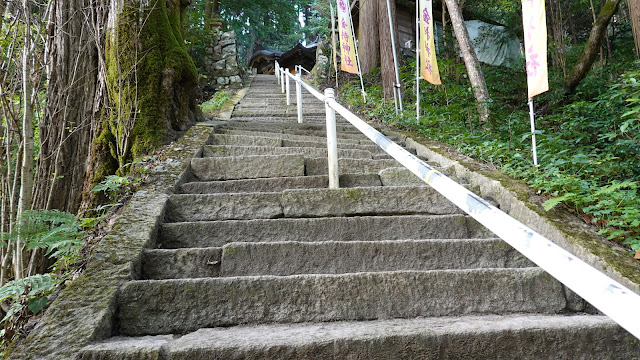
294	203
181	263
329	257
520	336
292	112
260	104
285	140
233	150
320	136
150	307
277	184
319	166
247	167
239	122
315	133
357	228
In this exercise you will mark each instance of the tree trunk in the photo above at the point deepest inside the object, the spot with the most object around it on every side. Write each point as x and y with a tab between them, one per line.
151	84
470	59
75	97
634	13
26	180
572	27
369	40
387	70
593	45
557	30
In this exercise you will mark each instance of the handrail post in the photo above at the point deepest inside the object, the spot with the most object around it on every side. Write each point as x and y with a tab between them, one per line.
299	96
282	79
288	91
276	68
332	141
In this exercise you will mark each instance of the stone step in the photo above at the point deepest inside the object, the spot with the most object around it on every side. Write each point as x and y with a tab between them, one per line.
276	112
285	140
264	166
239	122
151	307
357	228
319	166
315	133
277	184
321	136
517	336
247	167
308	105
233	150
329	257
294	203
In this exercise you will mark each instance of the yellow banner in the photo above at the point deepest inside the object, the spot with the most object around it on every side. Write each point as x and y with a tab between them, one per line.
347	46
428	61
535	43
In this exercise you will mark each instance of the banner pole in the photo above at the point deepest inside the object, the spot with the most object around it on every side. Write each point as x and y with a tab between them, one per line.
355	45
334	51
417	62
396	87
533	132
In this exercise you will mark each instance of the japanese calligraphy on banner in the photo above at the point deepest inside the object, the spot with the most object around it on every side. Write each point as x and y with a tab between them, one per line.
535	43
428	62
347	45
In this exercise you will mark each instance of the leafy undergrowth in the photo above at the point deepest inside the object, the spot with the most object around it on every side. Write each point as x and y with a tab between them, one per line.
588	150
213	106
68	241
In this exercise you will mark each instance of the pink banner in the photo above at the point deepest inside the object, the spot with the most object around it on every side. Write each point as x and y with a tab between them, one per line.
347	44
535	43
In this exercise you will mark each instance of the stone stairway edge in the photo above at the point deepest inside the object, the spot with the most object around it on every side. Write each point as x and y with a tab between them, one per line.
80	314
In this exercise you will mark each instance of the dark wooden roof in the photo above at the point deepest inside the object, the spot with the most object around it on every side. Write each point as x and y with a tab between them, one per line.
263	60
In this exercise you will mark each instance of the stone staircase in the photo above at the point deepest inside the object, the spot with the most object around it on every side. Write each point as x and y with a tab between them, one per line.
257	259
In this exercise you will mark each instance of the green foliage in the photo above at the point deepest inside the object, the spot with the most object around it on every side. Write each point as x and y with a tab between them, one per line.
112	184
59	233
27	293
216	102
588	150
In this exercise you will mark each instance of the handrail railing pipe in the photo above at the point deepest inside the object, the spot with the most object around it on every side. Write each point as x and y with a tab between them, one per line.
282	79
288	87
300	68
277	71
299	96
607	295
332	140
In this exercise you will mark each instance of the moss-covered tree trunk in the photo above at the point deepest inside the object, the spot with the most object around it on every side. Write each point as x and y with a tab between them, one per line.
151	83
593	45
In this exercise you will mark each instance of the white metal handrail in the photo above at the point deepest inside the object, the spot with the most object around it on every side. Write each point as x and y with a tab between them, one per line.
300	68
607	295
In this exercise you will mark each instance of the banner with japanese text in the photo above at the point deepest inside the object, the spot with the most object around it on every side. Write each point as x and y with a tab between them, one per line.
535	43
347	44
428	62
